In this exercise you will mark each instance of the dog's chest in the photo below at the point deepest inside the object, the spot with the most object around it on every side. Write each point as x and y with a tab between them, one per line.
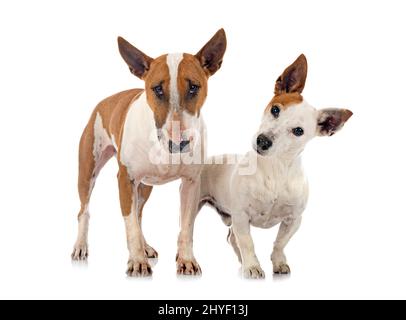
141	152
270	201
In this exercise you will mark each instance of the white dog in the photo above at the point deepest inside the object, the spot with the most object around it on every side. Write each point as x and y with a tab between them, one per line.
277	192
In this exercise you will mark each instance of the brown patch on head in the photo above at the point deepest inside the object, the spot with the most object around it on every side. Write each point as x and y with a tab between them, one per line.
284	101
158	75
289	85
190	77
155	73
193	72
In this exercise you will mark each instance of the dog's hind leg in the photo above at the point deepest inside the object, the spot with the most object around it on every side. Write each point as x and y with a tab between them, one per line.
95	150
144	192
286	230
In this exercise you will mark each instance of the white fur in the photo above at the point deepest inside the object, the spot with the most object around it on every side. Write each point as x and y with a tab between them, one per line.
280	130
193	125
137	262
132	241
100	143
137	137
138	142
83	226
140	148
113	141
275	193
80	250
173	60
101	137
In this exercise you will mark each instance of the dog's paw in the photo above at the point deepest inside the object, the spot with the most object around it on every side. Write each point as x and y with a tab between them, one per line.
188	267
138	269
254	272
80	252
282	268
150	252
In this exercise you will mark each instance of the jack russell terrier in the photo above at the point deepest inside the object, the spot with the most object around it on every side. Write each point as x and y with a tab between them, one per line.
130	124
277	192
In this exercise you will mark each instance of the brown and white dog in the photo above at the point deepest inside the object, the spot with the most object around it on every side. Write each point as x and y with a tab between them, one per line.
136	124
277	191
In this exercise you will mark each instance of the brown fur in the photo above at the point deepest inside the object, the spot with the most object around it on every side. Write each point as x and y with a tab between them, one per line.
289	85
158	75
190	70
126	191
112	111
285	101
211	55
137	61
293	78
331	120
144	191
86	163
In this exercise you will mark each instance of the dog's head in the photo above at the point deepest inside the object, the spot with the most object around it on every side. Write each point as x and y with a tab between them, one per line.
176	88
289	122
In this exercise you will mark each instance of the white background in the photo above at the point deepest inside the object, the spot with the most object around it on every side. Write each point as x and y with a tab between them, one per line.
58	59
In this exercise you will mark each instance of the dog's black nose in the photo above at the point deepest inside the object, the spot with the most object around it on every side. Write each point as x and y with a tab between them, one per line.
263	142
182	147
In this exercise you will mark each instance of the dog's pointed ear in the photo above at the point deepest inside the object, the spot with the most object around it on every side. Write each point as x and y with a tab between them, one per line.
293	79
331	120
137	61
211	55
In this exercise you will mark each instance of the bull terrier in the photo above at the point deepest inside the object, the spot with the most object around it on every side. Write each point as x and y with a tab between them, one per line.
165	115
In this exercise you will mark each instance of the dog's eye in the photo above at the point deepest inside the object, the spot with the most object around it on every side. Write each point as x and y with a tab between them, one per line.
193	89
159	91
298	131
275	110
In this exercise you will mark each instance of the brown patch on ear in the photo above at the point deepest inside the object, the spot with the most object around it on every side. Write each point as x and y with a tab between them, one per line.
293	79
332	120
346	114
137	61
191	73
158	75
285	101
211	55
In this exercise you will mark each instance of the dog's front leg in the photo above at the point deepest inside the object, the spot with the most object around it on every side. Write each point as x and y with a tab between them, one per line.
137	263
189	198
286	230
250	264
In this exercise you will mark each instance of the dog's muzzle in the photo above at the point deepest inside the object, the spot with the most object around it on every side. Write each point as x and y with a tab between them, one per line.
184	146
263	144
